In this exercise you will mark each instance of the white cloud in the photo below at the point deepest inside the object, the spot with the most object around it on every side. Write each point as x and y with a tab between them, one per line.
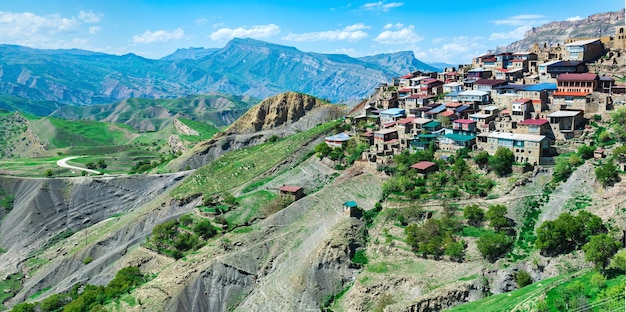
515	34
39	31
201	21
573	18
94	29
158	36
261	31
381	6
522	20
390	26
89	17
402	36
350	33
454	50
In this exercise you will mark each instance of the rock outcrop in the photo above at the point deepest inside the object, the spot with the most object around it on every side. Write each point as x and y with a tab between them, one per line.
280	116
594	26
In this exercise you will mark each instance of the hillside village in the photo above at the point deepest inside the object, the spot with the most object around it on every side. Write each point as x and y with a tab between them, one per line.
532	102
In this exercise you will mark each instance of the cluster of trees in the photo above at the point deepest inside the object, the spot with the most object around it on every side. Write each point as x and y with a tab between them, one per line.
176	237
492	245
568	233
501	162
435	237
100	164
452	180
346	155
92	298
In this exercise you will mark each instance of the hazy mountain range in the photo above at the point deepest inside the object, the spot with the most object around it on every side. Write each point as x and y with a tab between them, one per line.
243	67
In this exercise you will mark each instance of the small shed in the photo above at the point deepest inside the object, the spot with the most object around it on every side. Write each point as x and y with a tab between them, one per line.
352	209
598	153
291	191
425	167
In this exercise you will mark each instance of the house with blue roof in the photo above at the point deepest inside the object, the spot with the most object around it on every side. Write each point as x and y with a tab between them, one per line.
391	115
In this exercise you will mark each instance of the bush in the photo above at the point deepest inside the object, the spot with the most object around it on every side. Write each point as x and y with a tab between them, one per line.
474	214
562	169
586	151
523	278
607	174
87	260
359	257
494	245
205	229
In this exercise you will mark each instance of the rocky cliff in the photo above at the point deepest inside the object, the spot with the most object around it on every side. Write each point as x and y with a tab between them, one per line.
594	26
279	116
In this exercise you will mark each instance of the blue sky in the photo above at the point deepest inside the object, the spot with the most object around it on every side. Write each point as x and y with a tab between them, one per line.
437	31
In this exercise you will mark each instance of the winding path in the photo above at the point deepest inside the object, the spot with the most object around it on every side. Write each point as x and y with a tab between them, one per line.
63	163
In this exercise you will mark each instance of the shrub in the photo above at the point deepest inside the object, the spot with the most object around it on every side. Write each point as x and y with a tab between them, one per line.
607	174
359	257
586	151
523	278
562	169
87	260
205	229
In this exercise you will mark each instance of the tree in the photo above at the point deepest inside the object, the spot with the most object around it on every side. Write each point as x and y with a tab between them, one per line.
567	233
323	150
474	214
482	158
607	174
502	161
48	173
619	119
102	164
600	249
494	245
496	215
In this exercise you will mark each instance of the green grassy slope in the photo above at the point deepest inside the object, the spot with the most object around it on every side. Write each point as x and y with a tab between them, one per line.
238	167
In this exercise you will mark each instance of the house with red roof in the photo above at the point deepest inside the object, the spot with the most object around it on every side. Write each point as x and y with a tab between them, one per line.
424	167
584	83
430	86
521	109
291	191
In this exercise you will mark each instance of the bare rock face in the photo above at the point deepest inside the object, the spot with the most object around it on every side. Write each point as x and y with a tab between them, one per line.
280	115
281	110
183	128
594	26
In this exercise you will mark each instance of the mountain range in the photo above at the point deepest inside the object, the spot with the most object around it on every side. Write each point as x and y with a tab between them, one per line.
243	67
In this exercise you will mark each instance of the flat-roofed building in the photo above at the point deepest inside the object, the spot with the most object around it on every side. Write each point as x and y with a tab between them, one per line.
584	50
564	123
527	148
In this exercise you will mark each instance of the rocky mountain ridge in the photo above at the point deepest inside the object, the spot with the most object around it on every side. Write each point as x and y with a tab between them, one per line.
593	26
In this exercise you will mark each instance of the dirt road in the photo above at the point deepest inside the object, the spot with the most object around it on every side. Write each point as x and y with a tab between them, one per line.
63	163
